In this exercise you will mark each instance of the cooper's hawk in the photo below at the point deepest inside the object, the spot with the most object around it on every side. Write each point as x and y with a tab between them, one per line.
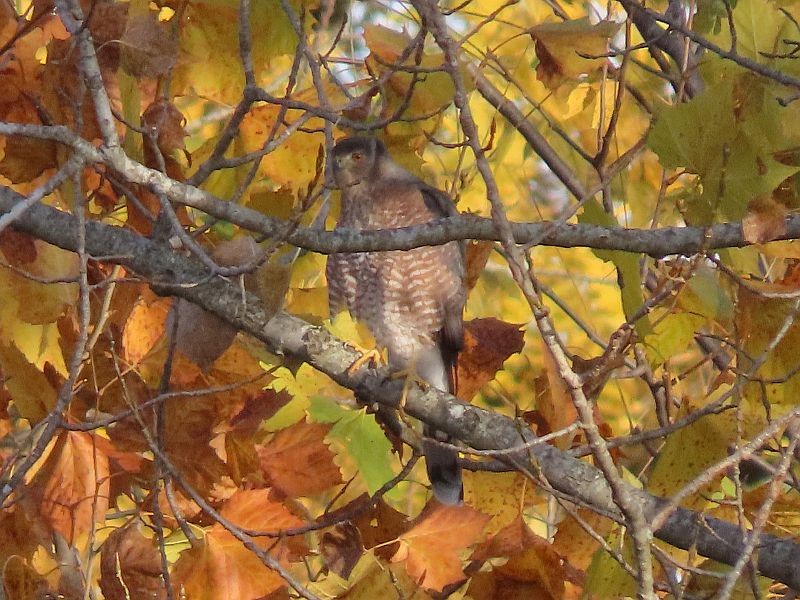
411	300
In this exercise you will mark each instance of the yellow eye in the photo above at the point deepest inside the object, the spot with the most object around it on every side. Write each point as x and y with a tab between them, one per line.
357	156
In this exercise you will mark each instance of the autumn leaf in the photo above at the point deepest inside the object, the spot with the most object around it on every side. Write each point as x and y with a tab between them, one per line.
148	48
221	567
30	390
71	487
430	550
299	444
130	566
765	221
487	344
341	549
571	48
531	558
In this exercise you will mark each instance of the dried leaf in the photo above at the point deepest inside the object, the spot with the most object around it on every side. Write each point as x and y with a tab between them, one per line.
301	444
130	566
147	47
765	220
487	345
478	252
381	525
569	49
202	336
32	394
341	548
430	550
72	485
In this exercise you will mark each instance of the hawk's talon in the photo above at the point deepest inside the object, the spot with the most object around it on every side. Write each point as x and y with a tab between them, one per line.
372	357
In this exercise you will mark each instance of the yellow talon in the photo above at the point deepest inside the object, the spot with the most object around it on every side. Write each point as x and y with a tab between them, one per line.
367	356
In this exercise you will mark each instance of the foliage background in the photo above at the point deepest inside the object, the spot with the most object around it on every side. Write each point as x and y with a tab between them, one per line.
151	451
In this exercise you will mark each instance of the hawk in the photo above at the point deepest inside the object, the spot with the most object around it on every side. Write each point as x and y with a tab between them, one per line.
412	301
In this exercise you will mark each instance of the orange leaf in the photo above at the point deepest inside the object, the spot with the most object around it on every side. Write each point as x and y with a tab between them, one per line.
430	549
222	567
297	462
130	566
253	509
487	345
72	486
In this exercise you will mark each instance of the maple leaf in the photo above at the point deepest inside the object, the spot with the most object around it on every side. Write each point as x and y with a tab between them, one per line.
430	550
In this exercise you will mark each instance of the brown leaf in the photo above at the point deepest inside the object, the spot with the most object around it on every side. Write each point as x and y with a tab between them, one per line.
165	124
303	445
147	47
478	252
18	248
765	220
221	568
430	550
341	548
531	558
42	302
201	336
130	566
569	49
553	401
72	486
487	345
381	525
25	158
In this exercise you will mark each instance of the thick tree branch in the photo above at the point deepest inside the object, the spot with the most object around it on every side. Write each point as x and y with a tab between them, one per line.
653	242
169	273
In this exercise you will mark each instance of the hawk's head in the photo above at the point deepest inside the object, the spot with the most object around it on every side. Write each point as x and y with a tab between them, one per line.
357	159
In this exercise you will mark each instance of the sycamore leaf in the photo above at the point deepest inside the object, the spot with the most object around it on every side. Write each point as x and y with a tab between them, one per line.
341	548
300	444
487	344
432	90
30	390
147	48
430	550
501	495
569	49
221	567
40	302
379	526
209	45
130	566
358	435
531	558
72	486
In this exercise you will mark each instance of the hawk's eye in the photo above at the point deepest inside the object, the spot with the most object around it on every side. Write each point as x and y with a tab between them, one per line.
357	156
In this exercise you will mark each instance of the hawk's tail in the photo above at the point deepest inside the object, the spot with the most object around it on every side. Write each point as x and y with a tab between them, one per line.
444	471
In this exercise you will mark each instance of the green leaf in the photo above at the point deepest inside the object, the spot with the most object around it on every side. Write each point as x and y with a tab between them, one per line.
361	437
